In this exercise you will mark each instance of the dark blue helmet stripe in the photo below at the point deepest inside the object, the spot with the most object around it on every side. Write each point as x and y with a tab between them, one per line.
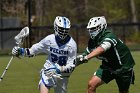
65	23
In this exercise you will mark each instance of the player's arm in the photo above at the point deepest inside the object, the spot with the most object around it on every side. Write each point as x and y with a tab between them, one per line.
96	52
34	50
104	46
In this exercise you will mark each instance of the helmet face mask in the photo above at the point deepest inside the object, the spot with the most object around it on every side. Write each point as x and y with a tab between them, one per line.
61	27
96	25
94	31
62	32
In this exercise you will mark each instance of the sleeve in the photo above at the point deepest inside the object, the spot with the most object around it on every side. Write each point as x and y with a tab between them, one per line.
38	47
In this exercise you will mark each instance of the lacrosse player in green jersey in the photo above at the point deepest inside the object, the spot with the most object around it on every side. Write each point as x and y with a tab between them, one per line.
117	61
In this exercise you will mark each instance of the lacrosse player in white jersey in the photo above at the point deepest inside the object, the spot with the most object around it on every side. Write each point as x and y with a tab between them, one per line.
62	51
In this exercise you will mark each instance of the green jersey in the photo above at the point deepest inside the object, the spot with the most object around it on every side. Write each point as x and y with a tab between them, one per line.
117	56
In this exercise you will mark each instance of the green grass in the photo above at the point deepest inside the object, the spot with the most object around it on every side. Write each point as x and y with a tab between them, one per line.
23	76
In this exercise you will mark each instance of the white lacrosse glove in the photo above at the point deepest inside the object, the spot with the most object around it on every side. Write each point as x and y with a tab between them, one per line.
60	68
52	72
82	58
16	51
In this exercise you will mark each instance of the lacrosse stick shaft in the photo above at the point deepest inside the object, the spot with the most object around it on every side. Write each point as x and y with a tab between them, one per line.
6	68
19	40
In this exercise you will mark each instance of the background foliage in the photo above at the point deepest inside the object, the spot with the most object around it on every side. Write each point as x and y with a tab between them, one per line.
79	11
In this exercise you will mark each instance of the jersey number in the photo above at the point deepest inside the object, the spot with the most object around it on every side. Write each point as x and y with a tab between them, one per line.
61	60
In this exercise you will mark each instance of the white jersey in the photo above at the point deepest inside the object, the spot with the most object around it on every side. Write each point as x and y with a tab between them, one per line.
64	55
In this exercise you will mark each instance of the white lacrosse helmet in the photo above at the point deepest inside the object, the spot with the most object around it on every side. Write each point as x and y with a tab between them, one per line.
61	26
96	25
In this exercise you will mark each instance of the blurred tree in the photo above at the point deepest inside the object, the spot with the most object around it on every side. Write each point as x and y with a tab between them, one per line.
137	5
134	15
79	11
113	10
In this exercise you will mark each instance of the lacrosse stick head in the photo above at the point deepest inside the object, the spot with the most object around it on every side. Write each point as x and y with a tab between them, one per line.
20	37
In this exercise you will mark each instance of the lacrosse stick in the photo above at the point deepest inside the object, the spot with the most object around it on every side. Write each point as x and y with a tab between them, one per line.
19	41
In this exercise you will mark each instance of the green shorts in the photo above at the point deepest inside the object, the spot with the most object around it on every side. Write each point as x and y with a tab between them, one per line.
123	81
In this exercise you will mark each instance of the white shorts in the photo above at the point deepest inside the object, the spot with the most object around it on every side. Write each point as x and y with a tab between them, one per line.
60	85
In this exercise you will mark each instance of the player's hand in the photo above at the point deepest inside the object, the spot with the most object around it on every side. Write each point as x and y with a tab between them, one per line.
51	71
82	58
15	51
59	68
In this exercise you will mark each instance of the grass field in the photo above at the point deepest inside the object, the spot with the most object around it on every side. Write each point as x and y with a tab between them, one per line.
23	76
